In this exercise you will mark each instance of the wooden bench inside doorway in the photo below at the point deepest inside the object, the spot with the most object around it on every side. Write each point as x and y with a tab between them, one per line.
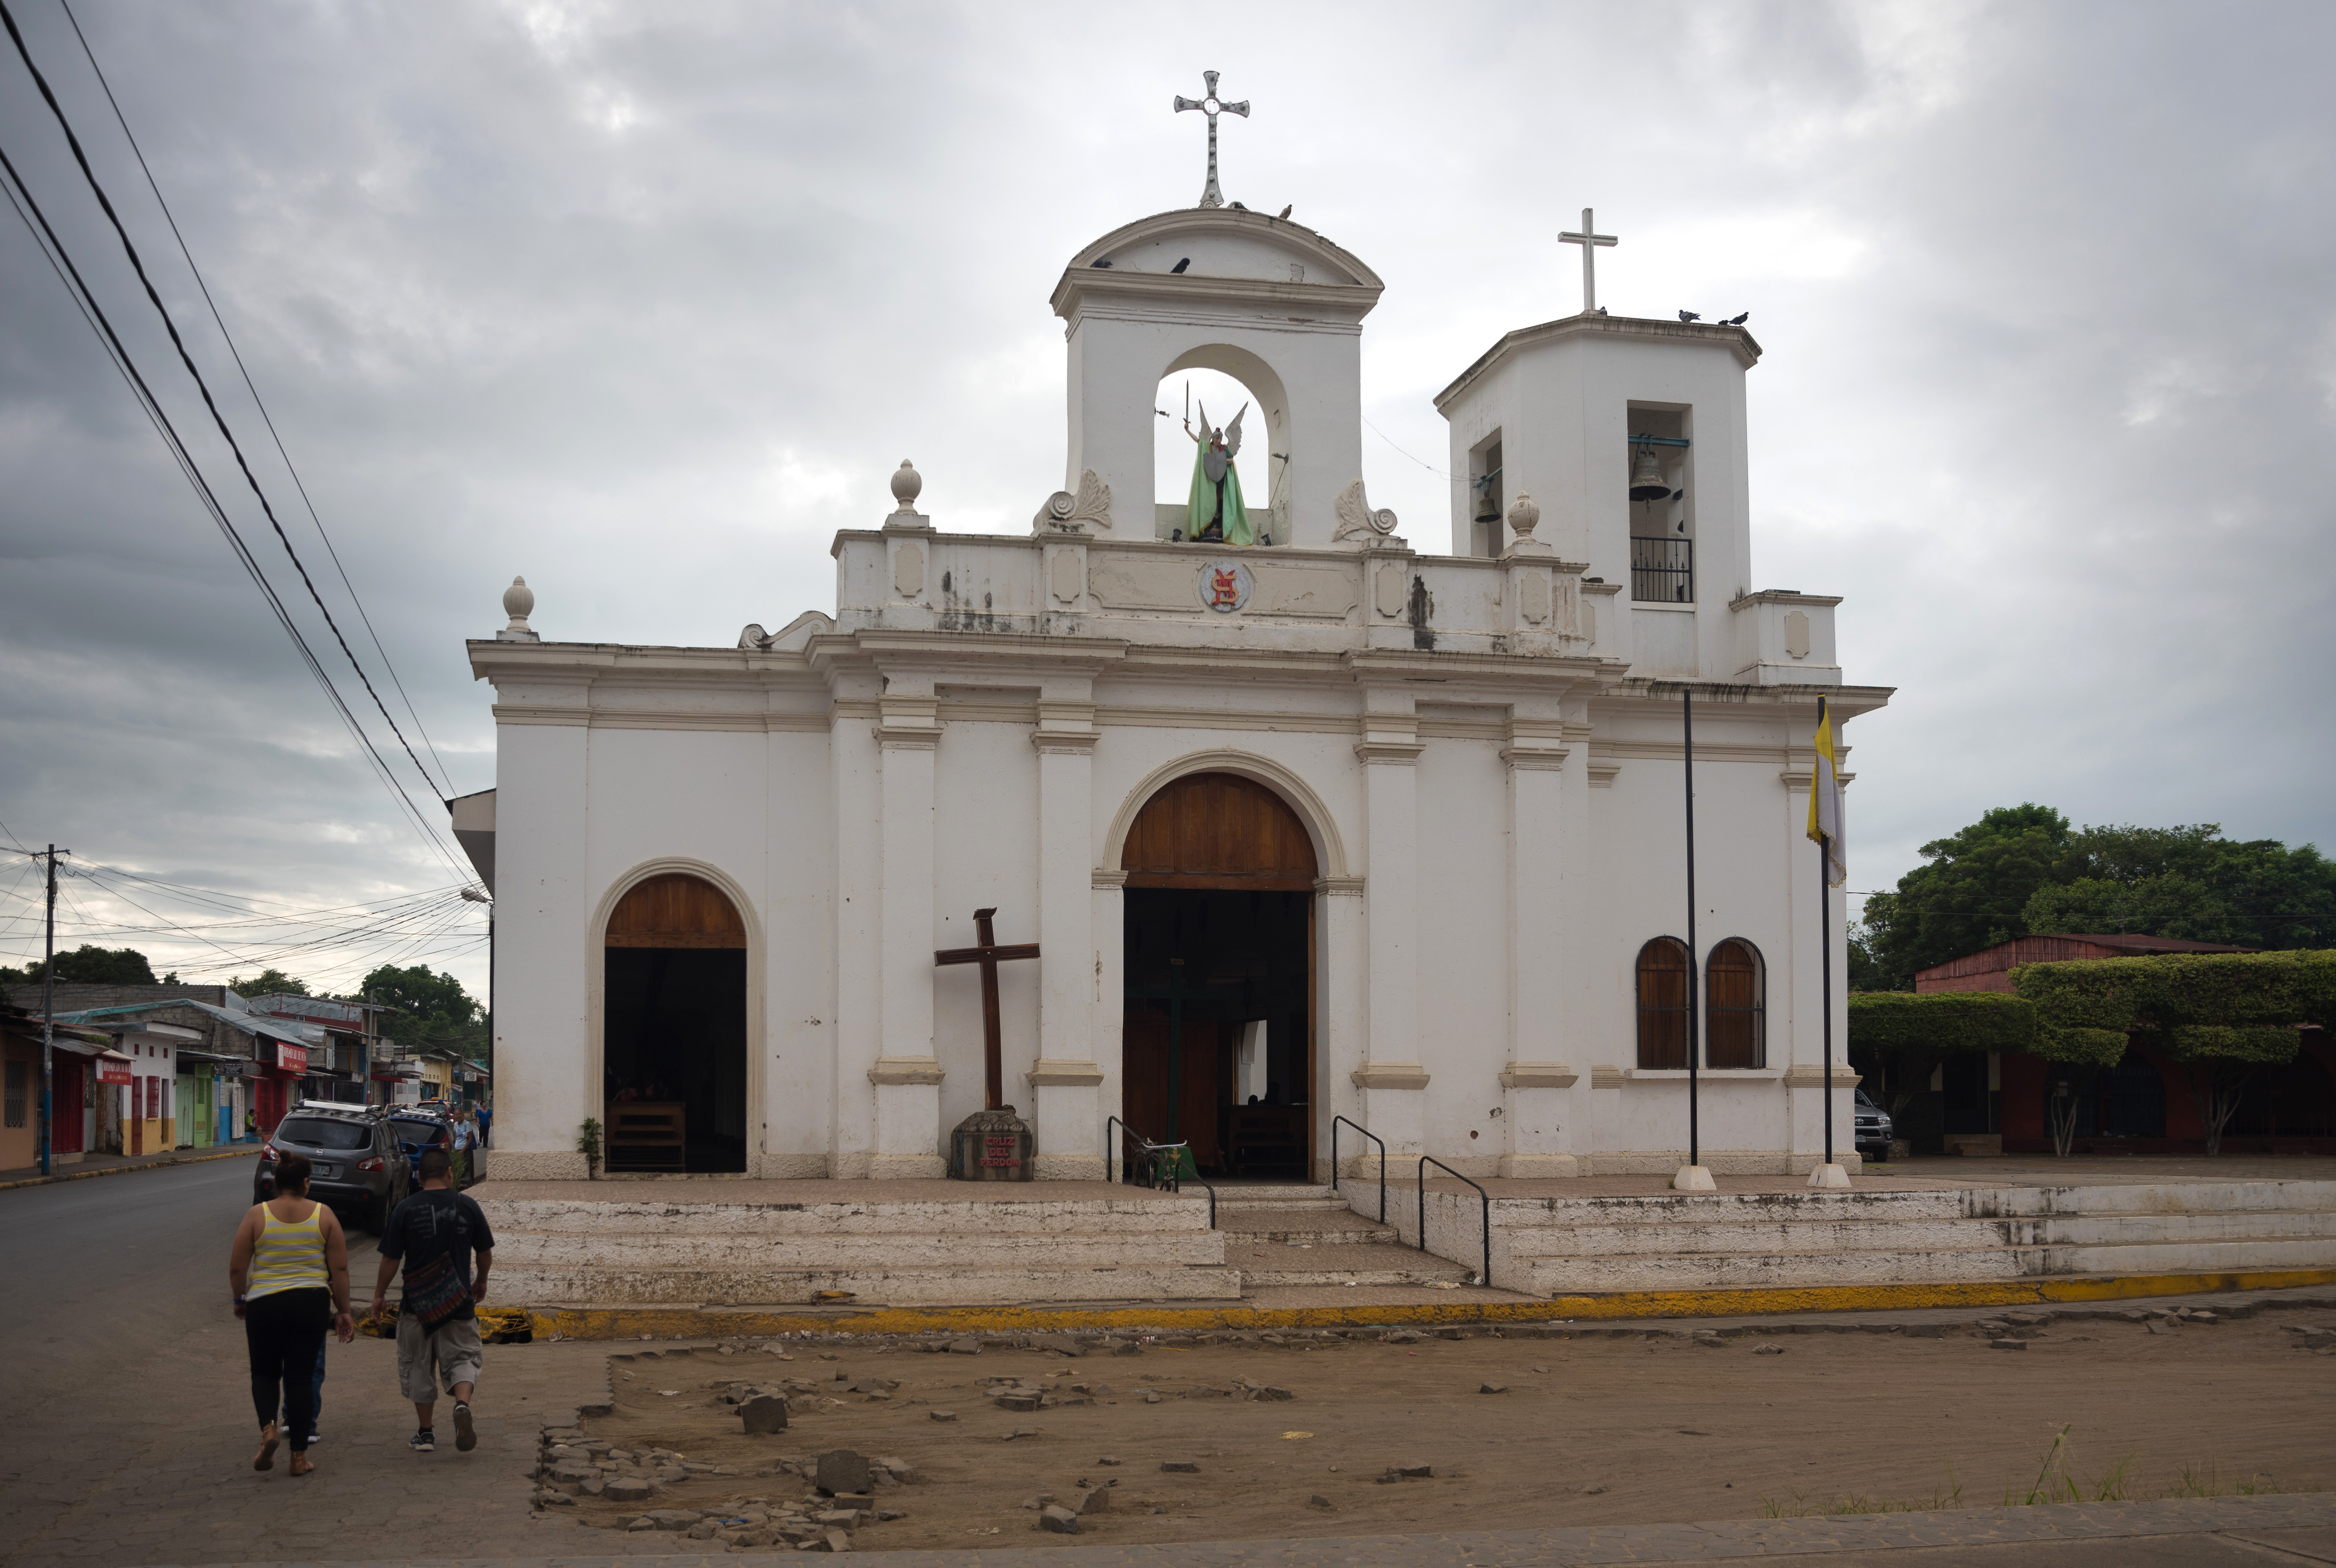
648	1135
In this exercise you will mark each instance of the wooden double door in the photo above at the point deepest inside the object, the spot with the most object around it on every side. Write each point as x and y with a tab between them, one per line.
1219	930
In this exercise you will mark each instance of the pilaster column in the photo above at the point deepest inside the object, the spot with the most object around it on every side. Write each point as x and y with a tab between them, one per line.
1341	960
856	775
1392	1077
1065	1081
906	1077
547	1032
1539	1113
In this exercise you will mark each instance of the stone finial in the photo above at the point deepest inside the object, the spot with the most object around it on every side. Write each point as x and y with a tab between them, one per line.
518	603
906	484
1524	516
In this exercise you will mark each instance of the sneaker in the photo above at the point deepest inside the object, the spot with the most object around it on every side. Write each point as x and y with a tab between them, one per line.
466	1434
425	1441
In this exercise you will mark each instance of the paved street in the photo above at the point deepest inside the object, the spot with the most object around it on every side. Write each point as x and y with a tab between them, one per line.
127	1411
129	1433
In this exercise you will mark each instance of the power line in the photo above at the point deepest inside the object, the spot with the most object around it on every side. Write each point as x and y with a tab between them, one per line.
61	261
447	784
170	326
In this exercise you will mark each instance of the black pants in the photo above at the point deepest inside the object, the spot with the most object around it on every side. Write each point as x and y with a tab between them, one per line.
285	1333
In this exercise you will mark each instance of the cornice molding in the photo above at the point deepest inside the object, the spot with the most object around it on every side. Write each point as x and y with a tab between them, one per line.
1390	1075
1681	334
1063	1074
1811	1075
905	1070
1538	1075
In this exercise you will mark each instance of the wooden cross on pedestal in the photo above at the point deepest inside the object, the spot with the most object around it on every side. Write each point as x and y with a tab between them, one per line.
989	955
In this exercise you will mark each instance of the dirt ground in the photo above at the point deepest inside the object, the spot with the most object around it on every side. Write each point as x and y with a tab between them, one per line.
1623	1428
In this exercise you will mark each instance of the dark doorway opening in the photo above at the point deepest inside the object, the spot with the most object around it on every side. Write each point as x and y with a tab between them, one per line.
1218	1043
1204	971
674	1030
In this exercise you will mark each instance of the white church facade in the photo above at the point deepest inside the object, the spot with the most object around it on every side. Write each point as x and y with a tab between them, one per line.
1332	826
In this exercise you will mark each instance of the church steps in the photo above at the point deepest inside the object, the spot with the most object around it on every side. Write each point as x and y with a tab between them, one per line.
1164	1214
959	1286
1084	1248
1556	1245
1337	1266
1307	1225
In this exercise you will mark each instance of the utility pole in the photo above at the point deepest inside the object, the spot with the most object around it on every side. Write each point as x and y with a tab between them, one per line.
49	1011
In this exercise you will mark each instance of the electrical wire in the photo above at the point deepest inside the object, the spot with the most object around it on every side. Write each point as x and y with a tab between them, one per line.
72	140
446	785
61	261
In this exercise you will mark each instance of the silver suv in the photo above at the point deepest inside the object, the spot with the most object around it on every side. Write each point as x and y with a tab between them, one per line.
1874	1128
354	1162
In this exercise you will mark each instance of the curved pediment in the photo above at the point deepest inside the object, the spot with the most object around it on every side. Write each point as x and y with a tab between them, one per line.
1222	245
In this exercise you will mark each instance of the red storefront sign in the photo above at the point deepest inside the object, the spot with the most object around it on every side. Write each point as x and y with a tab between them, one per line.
291	1059
110	1071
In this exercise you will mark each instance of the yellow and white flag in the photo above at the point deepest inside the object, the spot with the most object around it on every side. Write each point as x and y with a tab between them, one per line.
1825	804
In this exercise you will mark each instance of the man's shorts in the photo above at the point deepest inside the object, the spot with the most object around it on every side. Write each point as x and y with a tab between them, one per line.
424	1358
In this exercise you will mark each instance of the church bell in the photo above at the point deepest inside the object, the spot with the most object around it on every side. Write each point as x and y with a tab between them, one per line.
1647	478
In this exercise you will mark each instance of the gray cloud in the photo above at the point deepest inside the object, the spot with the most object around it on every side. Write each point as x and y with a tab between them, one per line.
646	301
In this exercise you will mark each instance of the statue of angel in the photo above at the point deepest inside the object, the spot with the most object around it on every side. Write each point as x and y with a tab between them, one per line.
1214	514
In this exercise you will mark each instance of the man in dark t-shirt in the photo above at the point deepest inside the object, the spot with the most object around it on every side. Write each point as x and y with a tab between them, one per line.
435	1233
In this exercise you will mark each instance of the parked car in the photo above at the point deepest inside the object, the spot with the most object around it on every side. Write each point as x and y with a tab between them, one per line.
419	1128
1874	1130
355	1161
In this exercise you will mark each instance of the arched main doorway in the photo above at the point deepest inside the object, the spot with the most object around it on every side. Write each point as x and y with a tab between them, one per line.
1218	1045
674	1028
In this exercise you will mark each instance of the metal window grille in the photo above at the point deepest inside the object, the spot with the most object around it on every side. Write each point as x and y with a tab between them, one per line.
1662	569
19	1091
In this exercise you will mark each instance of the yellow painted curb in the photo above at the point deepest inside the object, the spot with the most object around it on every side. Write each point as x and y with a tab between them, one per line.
700	1322
125	1170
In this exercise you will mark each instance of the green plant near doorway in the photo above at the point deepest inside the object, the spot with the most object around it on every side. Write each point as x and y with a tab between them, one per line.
588	1144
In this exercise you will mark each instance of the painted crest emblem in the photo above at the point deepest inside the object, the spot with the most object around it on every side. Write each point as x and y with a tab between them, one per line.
1225	585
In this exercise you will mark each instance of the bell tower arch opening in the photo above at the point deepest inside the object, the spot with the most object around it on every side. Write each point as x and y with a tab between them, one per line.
1219	390
1218	1041
673	1044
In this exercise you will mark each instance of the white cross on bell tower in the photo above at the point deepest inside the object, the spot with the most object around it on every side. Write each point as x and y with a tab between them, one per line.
1209	103
1589	239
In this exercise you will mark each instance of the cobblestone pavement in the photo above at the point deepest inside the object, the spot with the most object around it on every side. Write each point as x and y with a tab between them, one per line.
2253	1531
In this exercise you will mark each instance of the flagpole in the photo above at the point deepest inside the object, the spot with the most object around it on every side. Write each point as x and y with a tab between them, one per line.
1825	950
1691	1178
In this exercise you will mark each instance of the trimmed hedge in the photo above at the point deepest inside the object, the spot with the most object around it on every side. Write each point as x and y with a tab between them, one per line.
2081	1048
2230	1043
2169	990
1897	1022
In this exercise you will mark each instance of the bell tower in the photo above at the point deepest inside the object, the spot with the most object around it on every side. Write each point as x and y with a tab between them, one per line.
1267	301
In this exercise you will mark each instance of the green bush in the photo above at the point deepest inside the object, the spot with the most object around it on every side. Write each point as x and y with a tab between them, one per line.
1901	1023
2090	994
2081	1048
2169	990
2229	1043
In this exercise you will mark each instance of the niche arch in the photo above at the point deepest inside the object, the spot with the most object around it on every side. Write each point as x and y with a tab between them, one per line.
1266	434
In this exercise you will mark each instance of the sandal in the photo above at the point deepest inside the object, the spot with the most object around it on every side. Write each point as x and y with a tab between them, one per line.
265	1459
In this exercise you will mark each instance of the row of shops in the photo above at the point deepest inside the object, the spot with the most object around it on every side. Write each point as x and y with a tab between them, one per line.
197	1066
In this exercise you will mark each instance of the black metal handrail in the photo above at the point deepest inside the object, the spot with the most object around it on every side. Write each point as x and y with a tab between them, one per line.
1173	1182
1373	1137
1426	1160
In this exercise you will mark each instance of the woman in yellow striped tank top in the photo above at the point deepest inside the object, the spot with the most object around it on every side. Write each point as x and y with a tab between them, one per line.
290	1270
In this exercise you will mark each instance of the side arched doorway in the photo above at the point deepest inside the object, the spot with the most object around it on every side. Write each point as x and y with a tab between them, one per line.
674	1028
1218	1043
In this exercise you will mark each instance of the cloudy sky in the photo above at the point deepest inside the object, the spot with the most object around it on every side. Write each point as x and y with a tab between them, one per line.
645	301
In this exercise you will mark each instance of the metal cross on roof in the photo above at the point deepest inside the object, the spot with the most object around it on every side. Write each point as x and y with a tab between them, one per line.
1209	103
1589	239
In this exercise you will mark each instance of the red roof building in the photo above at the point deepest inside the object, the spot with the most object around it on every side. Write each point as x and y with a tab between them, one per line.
1989	969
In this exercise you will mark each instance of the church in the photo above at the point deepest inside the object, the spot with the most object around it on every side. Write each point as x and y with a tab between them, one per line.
1307	823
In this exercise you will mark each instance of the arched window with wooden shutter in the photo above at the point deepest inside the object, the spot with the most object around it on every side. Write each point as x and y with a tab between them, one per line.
1735	1024
1663	975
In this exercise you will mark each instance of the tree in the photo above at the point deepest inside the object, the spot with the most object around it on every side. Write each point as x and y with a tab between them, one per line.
1972	894
2221	1015
434	1008
1917	1033
269	982
2192	884
88	965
